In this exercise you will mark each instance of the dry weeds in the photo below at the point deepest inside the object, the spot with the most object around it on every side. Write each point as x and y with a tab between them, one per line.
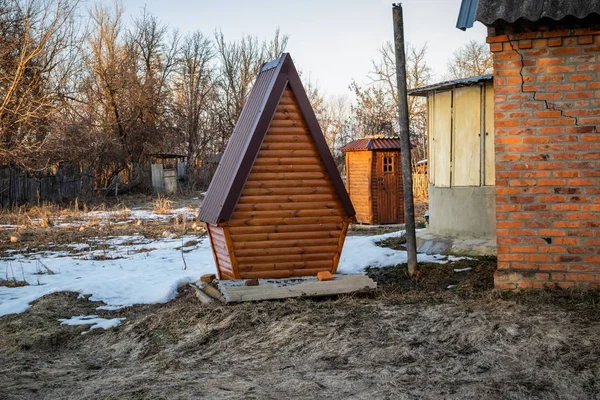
12	283
410	339
162	205
36	227
351	347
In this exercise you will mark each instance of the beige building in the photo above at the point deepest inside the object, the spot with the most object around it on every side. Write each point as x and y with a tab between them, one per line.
461	164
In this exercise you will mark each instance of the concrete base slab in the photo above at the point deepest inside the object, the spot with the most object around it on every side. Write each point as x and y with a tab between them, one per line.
270	289
430	243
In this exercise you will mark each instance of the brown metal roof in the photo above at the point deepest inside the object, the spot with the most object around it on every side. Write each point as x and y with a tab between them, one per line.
374	143
247	137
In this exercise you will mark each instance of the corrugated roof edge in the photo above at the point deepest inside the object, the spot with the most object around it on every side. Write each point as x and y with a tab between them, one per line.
466	15
493	12
447	85
579	16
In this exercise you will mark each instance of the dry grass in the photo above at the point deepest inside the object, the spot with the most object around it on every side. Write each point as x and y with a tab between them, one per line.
38	239
420	186
162	205
37	226
351	347
411	339
12	283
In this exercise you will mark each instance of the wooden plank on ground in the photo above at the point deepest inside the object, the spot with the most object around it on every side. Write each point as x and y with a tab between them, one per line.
270	289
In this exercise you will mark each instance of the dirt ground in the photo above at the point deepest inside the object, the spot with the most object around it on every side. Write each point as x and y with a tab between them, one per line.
412	339
439	335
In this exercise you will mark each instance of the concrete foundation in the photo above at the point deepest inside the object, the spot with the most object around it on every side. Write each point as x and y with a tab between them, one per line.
463	212
429	243
462	221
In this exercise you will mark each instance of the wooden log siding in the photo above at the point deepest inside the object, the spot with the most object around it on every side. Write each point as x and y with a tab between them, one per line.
289	219
359	164
219	241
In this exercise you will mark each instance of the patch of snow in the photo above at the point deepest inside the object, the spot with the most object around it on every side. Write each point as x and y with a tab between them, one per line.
462	269
93	320
126	240
129	276
124	216
112	308
78	246
135	278
361	251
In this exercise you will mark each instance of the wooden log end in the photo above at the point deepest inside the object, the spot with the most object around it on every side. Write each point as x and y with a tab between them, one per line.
201	295
208	278
211	291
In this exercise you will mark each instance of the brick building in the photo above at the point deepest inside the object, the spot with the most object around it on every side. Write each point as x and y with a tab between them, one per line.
547	138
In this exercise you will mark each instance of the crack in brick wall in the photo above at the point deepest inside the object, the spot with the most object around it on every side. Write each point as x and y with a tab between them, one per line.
547	105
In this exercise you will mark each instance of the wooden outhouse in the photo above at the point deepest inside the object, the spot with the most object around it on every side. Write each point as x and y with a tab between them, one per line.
166	171
276	206
374	179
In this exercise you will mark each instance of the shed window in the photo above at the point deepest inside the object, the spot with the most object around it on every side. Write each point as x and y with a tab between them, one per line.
388	165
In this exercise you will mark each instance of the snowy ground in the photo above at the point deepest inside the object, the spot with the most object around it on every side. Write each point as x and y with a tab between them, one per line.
119	216
129	270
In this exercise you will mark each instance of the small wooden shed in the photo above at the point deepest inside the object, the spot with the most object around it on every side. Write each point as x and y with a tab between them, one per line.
167	170
461	162
374	179
277	206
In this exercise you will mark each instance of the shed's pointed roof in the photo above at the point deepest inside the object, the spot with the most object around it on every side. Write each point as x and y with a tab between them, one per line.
247	137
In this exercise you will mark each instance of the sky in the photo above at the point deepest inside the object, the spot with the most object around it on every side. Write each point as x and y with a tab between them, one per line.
330	41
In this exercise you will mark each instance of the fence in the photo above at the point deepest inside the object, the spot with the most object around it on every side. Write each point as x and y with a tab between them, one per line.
420	186
17	186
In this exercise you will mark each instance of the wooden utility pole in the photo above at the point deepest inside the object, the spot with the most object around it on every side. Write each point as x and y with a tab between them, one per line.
409	205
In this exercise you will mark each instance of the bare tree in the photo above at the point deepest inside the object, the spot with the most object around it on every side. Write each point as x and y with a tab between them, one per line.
240	62
375	111
273	48
105	89
116	93
472	59
38	42
334	120
194	94
153	56
127	88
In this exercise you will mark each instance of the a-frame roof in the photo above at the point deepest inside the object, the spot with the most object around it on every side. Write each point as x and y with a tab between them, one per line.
247	137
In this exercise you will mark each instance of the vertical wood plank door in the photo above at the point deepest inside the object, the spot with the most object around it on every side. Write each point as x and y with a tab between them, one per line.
387	186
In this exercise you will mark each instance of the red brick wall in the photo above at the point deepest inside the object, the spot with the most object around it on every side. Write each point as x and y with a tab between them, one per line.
547	125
